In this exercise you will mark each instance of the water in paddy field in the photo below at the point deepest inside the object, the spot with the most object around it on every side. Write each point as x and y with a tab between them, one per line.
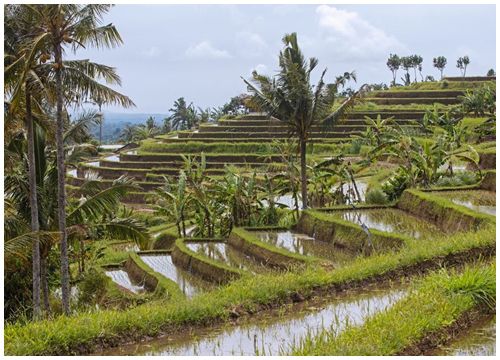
163	264
478	200
303	244
72	172
391	220
94	163
122	278
270	333
112	158
349	189
479	340
286	200
111	146
131	152
222	252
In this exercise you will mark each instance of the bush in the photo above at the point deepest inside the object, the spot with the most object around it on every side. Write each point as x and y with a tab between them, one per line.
92	287
444	84
459	179
376	196
355	147
395	186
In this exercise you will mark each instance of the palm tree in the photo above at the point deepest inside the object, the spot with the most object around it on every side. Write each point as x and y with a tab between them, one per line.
183	115
76	26
292	98
95	211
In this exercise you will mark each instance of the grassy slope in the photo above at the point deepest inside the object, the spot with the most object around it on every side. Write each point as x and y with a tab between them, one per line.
441	299
68	335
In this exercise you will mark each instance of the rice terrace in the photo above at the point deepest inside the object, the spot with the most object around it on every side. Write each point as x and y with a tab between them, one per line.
249	179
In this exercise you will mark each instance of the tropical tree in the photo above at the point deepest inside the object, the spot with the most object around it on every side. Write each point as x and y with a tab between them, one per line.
462	64
417	61
394	63
440	63
292	98
74	26
490	72
406	64
183	115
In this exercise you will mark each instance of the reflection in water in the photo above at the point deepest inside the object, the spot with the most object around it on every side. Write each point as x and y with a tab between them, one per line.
270	335
478	200
121	278
223	252
303	244
72	172
480	340
390	220
112	158
163	264
111	146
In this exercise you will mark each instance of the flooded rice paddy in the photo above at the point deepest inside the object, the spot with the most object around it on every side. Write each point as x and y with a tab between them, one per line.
479	340
189	284
478	200
303	245
272	333
390	220
224	253
122	278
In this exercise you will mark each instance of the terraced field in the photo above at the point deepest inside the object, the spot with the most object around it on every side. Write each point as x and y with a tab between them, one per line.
335	271
162	156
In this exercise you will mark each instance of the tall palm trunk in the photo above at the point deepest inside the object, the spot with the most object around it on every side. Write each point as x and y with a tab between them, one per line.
35	225
61	173
303	171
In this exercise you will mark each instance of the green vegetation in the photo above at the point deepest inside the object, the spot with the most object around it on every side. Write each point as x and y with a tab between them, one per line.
75	334
436	304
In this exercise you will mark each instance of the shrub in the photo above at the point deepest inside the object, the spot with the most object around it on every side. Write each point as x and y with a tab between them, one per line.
395	186
355	147
459	179
92	287
376	196
444	84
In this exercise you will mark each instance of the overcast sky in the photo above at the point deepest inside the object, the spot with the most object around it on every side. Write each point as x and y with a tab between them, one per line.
200	51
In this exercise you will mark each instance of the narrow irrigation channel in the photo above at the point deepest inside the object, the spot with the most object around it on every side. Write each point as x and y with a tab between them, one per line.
273	332
479	340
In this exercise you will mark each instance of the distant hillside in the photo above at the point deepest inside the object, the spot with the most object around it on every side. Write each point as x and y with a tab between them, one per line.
115	122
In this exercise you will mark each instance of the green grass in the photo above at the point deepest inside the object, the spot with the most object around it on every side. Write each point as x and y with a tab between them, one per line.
437	302
442	85
70	335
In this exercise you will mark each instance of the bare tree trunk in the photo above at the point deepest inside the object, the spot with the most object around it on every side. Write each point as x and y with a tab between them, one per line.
61	191
35	225
303	171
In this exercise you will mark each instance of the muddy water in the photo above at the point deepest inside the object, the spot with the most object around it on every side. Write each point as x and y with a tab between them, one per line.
478	200
304	245
111	146
480	340
273	333
391	220
121	278
224	253
163	264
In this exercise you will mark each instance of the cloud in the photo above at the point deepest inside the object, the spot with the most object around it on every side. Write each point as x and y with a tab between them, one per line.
352	37
153	51
250	44
206	50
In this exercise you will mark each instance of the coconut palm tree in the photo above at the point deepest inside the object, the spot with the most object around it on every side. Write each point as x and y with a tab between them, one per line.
292	98
96	211
75	26
183	115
